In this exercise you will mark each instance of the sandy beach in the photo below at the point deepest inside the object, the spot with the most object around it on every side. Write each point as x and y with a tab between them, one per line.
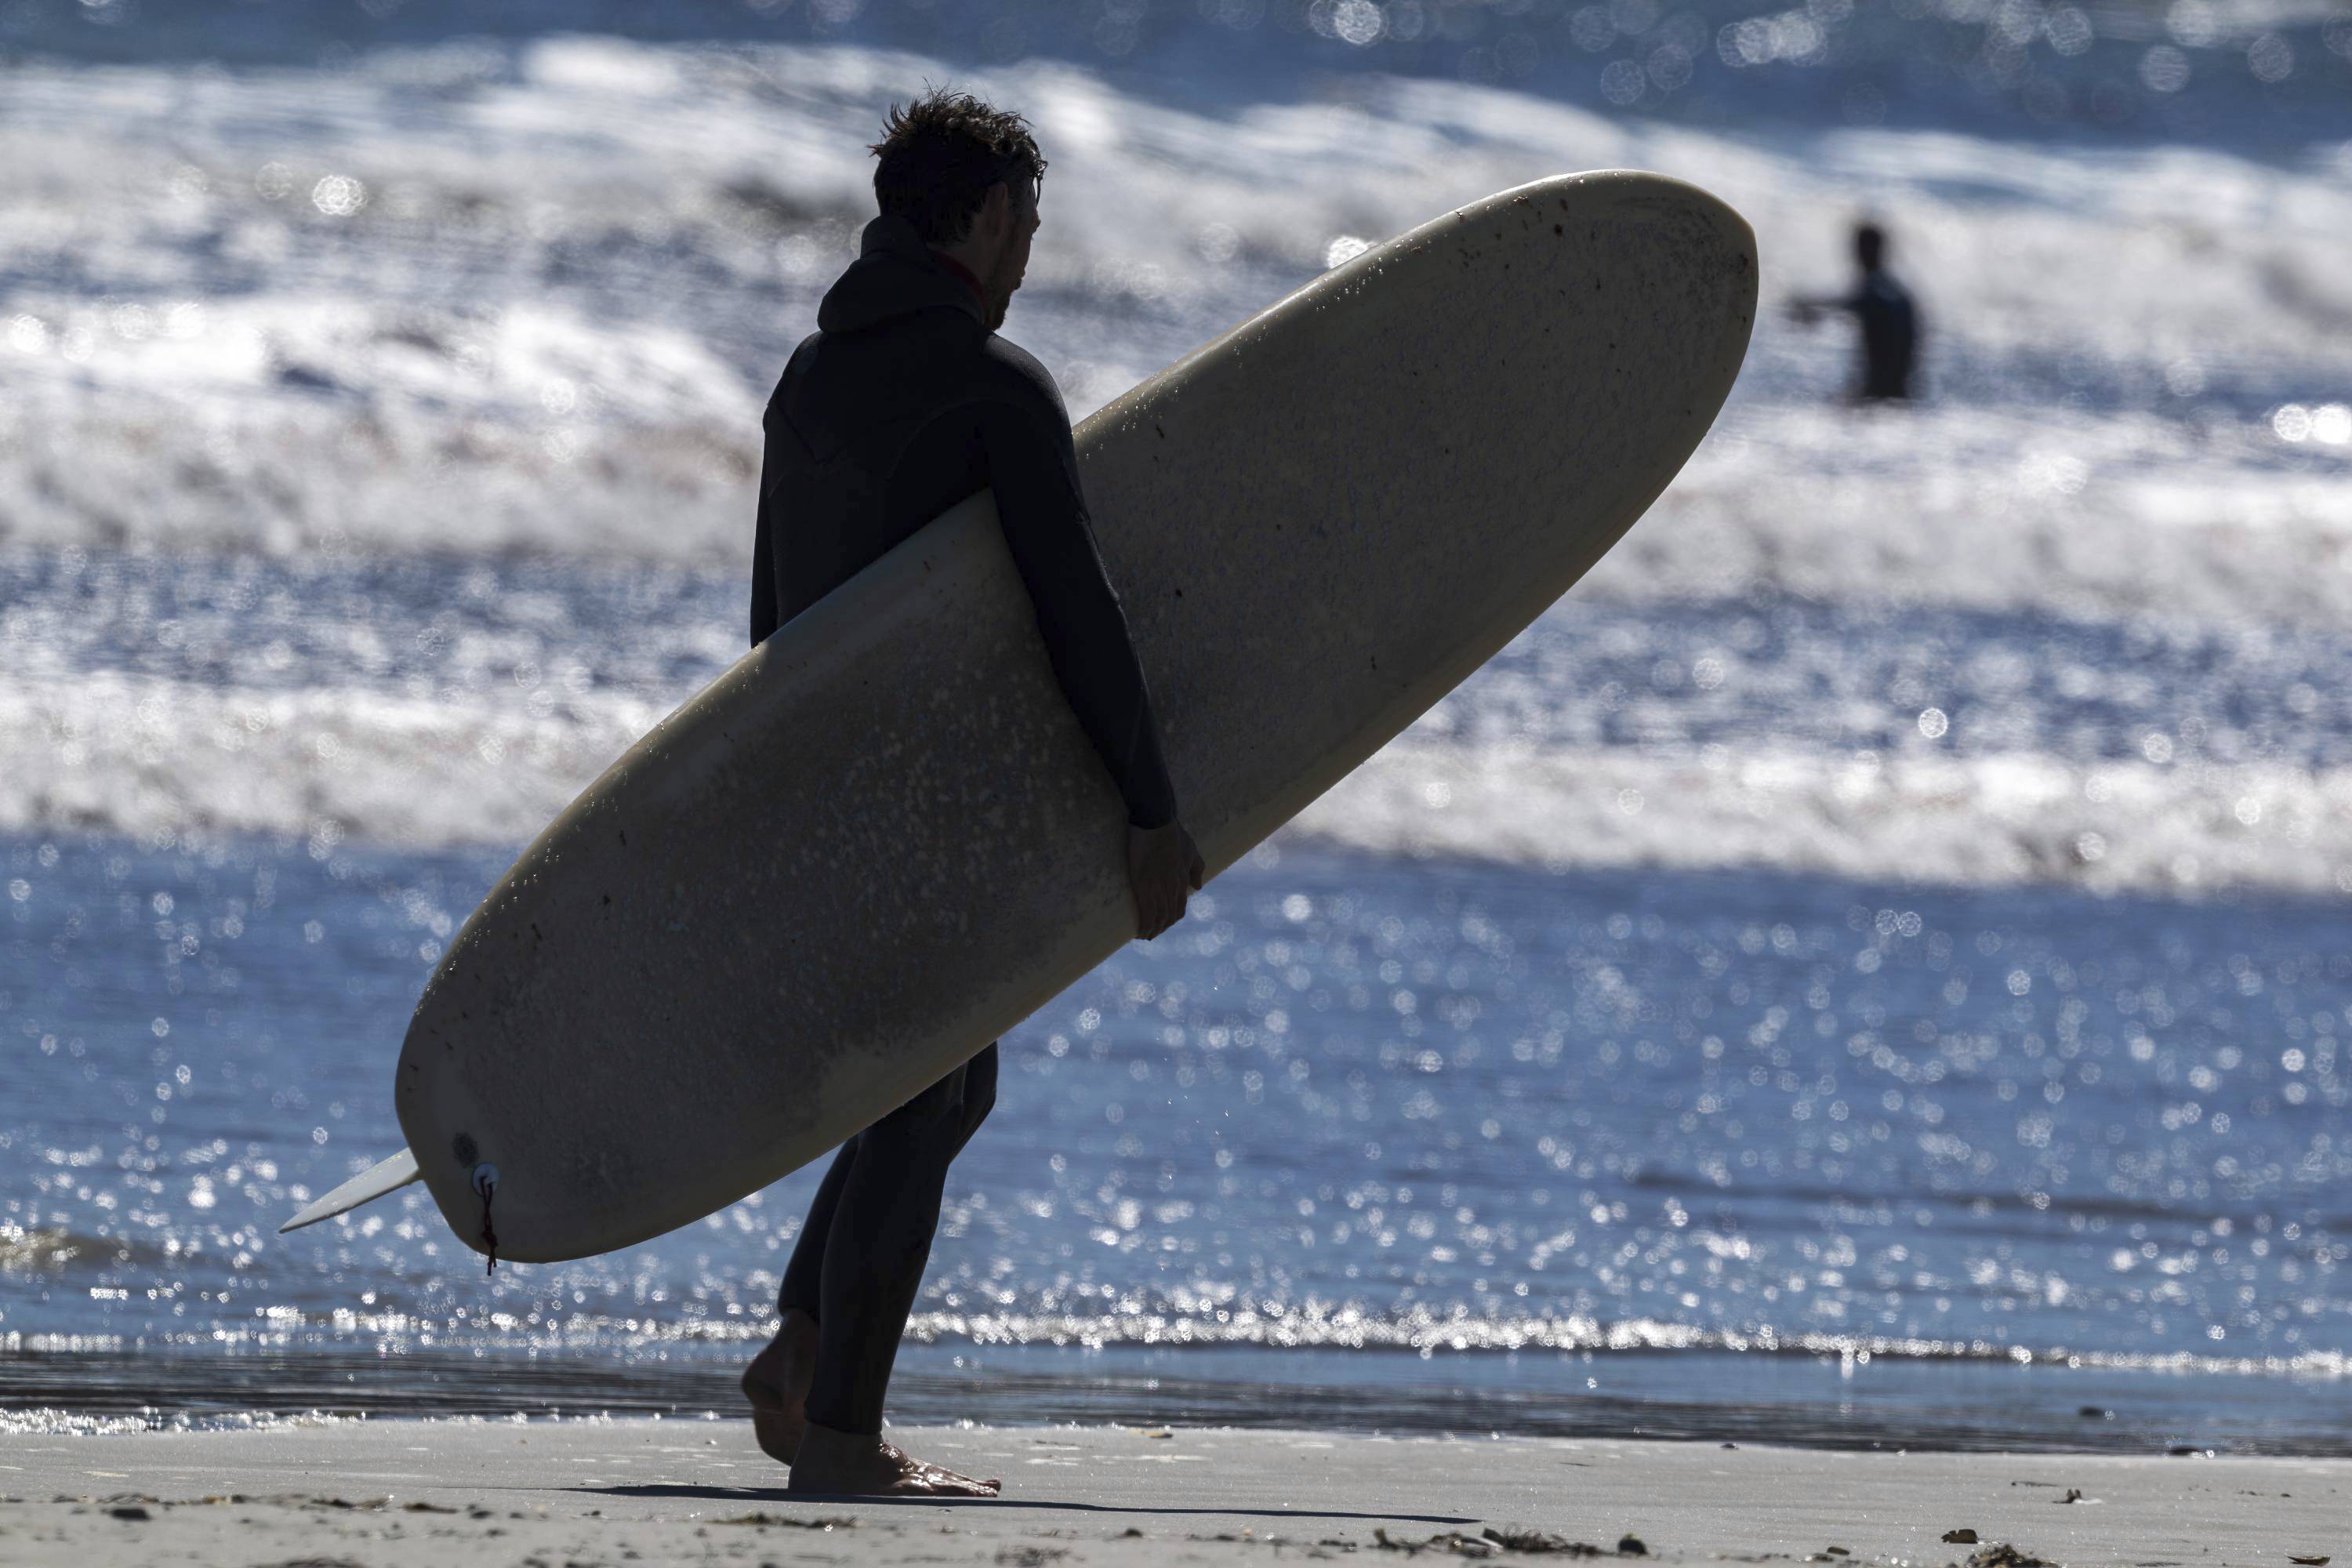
595	1491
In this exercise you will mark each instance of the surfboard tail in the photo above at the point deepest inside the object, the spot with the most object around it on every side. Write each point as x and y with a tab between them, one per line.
383	1176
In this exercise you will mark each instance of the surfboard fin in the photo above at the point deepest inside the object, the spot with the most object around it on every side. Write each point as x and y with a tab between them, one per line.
383	1176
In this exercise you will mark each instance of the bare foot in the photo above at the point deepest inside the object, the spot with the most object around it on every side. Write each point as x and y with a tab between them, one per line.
777	1385
845	1464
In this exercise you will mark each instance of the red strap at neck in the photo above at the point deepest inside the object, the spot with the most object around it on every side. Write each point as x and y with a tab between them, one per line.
961	270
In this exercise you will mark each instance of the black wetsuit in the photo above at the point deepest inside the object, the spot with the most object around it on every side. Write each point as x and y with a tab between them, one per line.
901	404
1890	334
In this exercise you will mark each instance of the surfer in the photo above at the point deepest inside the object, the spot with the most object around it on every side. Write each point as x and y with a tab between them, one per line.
904	401
1889	318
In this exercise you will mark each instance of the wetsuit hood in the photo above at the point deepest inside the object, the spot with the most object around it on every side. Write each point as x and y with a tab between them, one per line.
896	274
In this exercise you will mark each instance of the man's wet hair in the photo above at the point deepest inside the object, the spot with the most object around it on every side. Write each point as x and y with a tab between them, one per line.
940	155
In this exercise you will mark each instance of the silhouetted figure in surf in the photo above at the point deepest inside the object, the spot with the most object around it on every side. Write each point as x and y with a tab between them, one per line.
1889	318
903	403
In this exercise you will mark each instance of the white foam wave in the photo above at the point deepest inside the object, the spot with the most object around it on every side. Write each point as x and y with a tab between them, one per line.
52	1421
153	757
489	300
535	317
156	757
1980	821
1310	1325
2092	518
304	425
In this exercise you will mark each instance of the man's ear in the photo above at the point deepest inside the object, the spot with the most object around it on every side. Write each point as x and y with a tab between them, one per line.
996	209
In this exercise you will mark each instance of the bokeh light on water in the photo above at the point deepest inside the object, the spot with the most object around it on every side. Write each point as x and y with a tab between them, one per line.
1345	1106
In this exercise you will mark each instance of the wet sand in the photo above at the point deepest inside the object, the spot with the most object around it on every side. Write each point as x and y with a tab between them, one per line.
581	1492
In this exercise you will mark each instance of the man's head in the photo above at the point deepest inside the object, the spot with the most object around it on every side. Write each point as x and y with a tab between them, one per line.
968	176
1870	246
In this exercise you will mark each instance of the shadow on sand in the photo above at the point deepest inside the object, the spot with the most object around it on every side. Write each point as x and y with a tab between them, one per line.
778	1495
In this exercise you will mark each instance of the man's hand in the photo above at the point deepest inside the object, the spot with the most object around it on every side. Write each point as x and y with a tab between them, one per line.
1164	867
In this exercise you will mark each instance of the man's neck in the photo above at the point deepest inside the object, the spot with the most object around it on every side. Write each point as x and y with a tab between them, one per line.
970	279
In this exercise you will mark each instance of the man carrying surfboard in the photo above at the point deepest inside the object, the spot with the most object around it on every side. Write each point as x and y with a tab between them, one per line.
904	401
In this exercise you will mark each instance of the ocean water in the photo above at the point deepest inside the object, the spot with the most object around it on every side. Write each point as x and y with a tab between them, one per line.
1869	966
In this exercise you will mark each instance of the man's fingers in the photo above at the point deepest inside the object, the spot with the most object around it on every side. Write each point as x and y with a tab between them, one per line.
1167	905
1166	870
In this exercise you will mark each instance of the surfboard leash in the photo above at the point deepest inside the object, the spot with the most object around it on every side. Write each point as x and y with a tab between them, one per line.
485	1182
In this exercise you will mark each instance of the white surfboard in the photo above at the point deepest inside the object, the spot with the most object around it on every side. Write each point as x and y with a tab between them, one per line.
880	840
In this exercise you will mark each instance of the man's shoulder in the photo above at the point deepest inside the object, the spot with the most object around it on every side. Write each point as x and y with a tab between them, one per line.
797	359
1012	372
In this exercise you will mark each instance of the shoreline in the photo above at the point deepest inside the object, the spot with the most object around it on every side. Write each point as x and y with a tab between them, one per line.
599	1491
1782	1401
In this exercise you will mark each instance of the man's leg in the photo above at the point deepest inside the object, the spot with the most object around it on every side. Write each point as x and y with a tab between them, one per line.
979	1095
884	1213
777	1381
803	1285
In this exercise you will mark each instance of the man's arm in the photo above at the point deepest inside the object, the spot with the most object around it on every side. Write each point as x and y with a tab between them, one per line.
763	578
767	606
1806	307
1033	470
1039	504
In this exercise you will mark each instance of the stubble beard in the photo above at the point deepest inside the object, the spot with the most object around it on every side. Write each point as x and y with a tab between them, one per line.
999	288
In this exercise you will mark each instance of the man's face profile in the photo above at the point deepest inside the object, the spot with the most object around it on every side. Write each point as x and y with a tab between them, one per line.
1019	206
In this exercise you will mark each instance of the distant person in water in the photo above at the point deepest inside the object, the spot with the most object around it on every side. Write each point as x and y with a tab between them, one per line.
1889	318
904	401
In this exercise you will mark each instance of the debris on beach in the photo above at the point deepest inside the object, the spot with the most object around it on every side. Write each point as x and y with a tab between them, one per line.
2307	1562
826	1522
1963	1536
1631	1546
2074	1494
2007	1556
1030	1556
1538	1542
1450	1543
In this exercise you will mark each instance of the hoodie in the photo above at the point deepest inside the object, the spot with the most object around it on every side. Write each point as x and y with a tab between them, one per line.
902	404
